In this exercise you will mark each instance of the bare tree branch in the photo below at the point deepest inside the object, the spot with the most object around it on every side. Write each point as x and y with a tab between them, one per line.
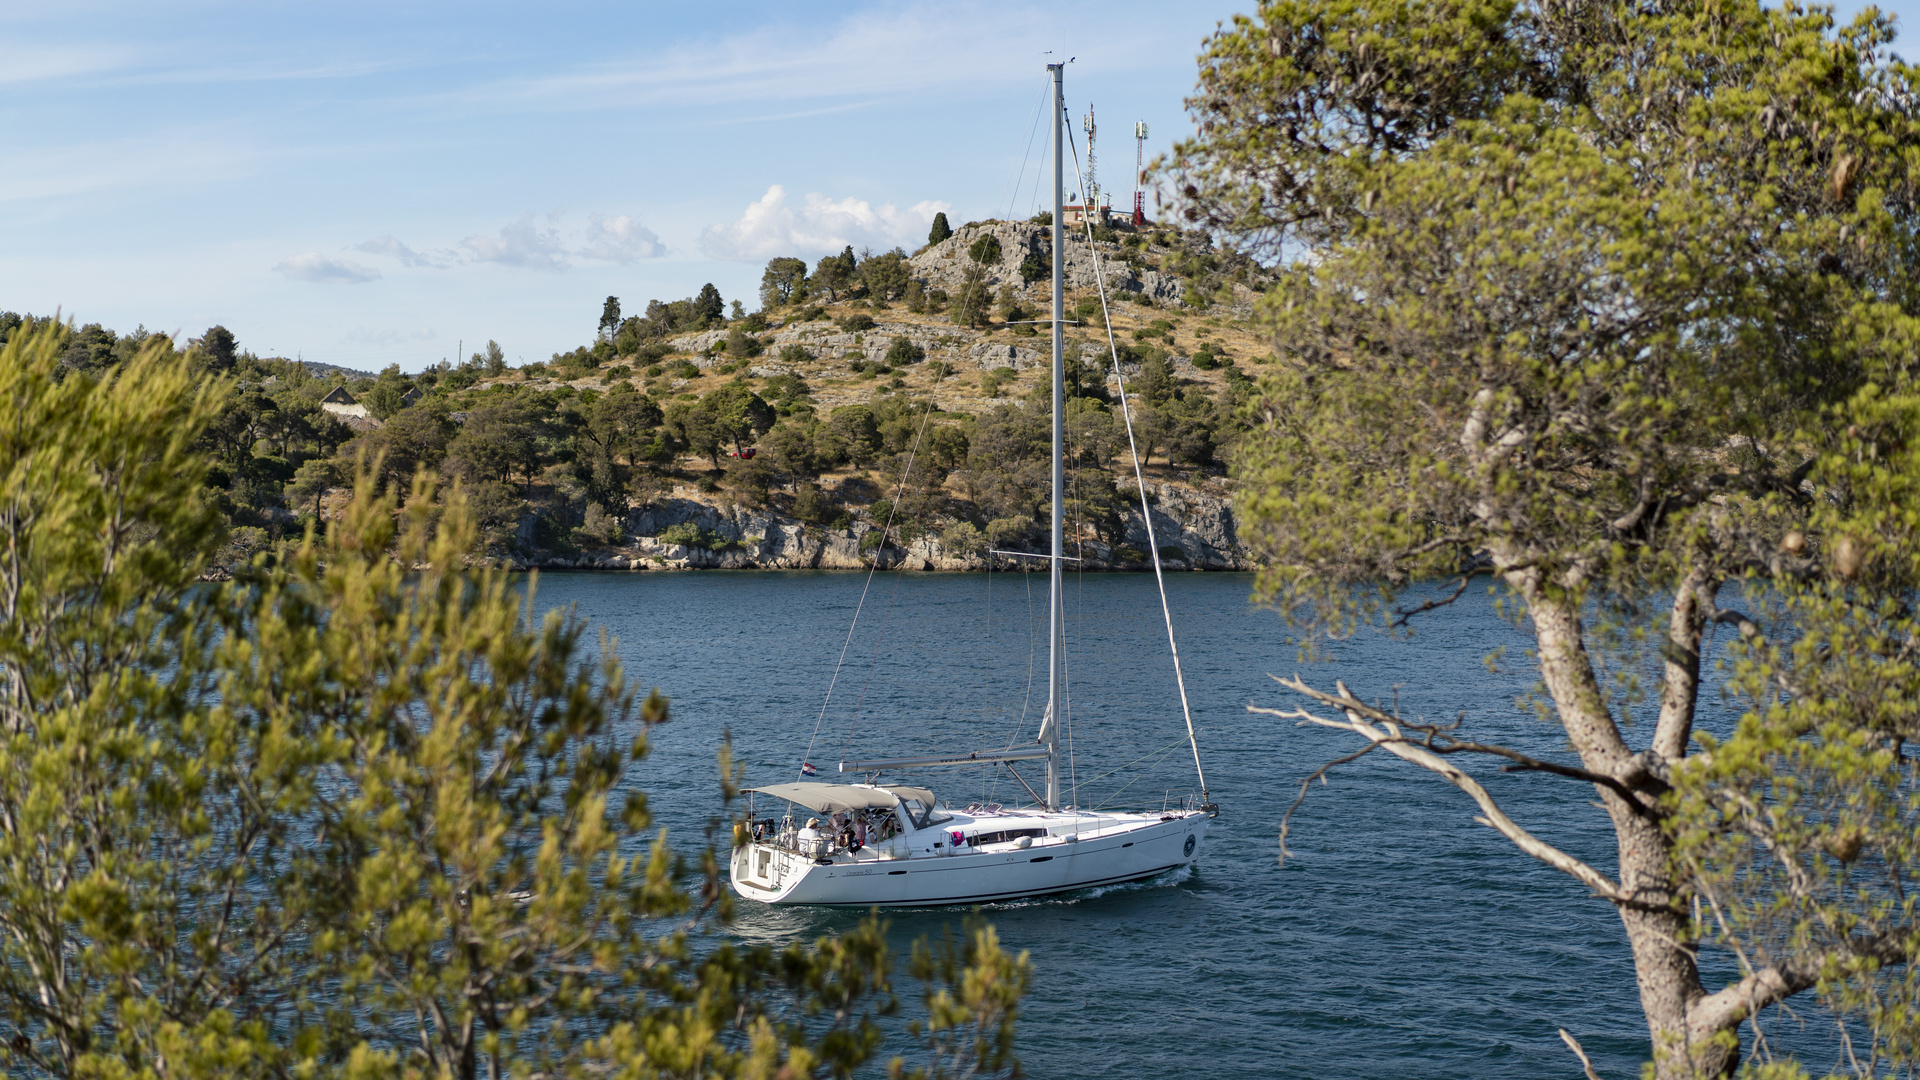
1573	1044
1387	736
1320	774
1405	615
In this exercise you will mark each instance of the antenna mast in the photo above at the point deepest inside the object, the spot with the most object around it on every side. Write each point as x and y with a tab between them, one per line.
1093	184
1139	173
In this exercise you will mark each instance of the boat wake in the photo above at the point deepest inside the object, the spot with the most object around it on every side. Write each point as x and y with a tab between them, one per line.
1159	881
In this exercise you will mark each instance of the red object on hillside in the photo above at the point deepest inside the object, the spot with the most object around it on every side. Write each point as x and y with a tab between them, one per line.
745	455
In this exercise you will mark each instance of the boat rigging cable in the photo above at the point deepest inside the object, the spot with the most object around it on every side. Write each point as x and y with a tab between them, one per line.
875	568
1139	477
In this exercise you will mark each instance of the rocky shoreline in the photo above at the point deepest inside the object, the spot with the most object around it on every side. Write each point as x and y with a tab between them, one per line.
1195	530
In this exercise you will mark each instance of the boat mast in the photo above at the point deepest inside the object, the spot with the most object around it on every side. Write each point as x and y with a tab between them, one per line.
1056	611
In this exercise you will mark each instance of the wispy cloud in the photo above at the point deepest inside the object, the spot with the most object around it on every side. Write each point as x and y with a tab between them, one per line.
526	244
184	158
867	54
619	239
325	270
520	243
28	62
770	226
391	247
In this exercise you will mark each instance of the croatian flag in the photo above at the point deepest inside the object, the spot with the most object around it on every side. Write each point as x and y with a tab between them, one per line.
807	769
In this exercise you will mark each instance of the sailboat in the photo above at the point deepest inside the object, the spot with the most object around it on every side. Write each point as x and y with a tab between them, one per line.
898	845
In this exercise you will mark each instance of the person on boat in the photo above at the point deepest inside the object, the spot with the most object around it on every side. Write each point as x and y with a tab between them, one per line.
809	837
859	832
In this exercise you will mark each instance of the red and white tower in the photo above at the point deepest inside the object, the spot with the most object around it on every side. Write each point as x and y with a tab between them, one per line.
1139	173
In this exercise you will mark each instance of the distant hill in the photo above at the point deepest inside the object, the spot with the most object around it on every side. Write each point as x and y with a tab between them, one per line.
324	371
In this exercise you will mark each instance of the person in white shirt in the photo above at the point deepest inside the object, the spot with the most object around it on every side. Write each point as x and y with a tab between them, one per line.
809	837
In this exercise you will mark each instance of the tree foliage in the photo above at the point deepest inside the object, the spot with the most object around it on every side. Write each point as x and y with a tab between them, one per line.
1596	298
359	812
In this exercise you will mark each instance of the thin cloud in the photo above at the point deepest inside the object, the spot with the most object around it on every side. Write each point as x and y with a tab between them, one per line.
325	270
39	63
770	226
392	248
619	239
864	55
520	243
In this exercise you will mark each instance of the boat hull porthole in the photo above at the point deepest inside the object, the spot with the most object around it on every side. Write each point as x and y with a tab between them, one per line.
1189	848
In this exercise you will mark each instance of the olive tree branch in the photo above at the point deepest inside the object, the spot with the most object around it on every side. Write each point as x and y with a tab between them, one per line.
1384	733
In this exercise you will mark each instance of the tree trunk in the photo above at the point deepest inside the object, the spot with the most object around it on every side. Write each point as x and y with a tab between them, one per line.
1656	922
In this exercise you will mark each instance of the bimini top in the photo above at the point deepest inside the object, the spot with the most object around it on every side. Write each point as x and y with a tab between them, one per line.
828	798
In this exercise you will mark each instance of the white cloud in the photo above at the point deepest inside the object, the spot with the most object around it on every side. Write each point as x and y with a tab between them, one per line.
620	239
520	243
323	269
388	245
771	227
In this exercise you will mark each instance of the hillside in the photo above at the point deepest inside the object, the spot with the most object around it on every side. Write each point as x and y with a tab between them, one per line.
887	406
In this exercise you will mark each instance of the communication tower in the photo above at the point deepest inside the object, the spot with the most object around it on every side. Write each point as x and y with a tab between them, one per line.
1139	173
1090	207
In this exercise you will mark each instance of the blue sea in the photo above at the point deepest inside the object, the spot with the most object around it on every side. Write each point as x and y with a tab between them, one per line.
1400	939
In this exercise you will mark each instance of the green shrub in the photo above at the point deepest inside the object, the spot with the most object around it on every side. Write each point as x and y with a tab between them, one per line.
655	371
742	344
795	354
812	506
1044	217
1001	531
688	370
985	250
855	323
963	538
903	351
810	313
691	535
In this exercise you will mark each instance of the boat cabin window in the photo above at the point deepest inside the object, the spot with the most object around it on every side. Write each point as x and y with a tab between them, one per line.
922	816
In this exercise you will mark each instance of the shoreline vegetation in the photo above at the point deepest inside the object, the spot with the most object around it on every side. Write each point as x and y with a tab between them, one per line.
884	408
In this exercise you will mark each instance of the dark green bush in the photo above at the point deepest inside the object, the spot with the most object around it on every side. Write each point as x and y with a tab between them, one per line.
855	323
903	352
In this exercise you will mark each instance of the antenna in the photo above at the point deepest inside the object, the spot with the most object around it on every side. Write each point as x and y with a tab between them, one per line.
1091	205
1139	173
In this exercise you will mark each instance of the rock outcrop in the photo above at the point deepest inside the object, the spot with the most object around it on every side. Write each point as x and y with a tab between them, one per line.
1023	244
713	534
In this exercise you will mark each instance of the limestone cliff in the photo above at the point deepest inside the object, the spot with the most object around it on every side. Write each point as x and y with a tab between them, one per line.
1200	526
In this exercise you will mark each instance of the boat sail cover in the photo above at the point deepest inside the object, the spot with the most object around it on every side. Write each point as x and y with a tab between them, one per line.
829	798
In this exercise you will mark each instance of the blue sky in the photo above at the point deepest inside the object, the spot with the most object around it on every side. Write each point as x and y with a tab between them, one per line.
373	183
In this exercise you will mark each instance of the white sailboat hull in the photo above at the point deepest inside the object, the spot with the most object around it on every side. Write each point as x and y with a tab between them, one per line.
1109	850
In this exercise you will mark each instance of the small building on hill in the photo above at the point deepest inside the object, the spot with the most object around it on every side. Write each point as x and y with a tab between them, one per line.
1073	214
340	403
